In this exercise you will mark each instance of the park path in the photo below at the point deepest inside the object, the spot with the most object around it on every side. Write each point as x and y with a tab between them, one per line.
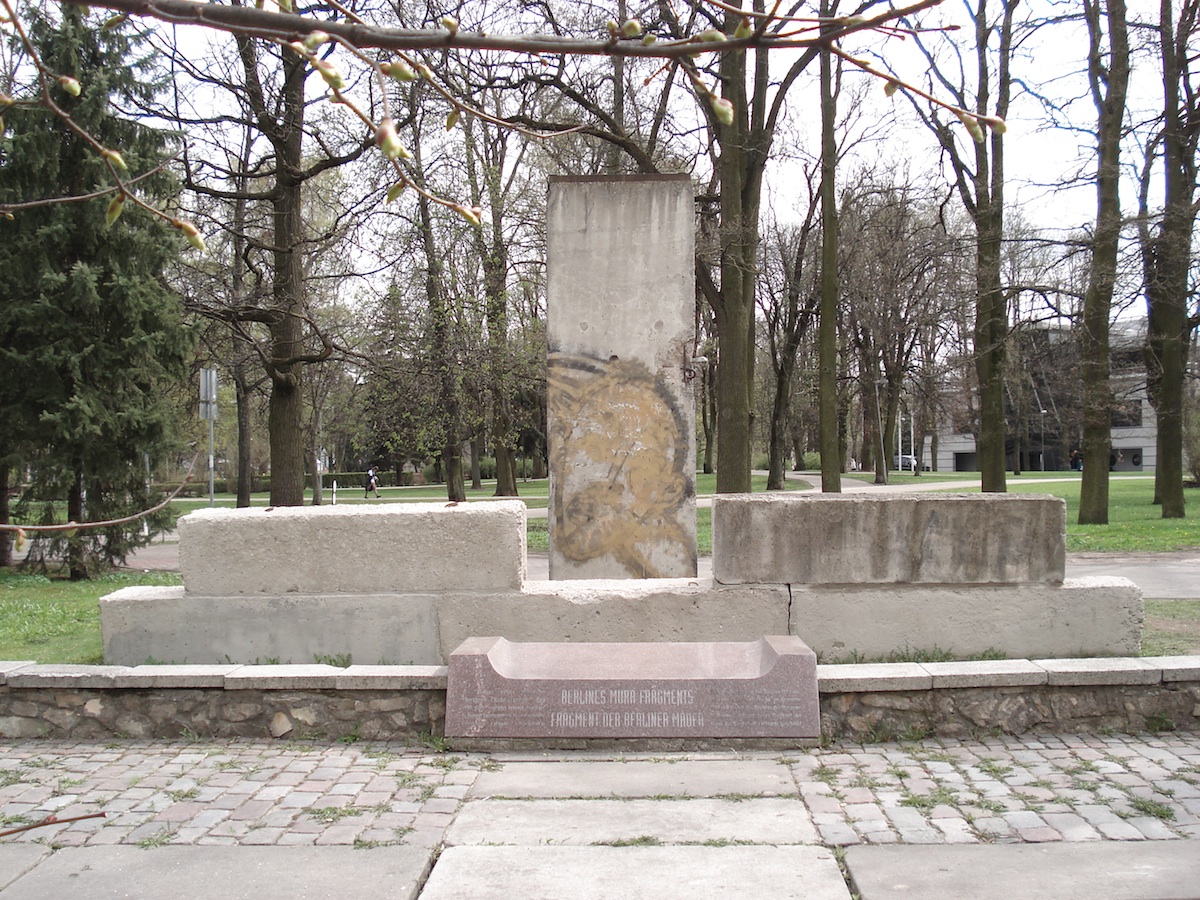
275	819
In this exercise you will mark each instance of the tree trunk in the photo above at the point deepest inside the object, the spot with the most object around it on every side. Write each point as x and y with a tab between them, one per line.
827	346
779	440
6	538
76	560
734	310
476	458
245	457
1166	258
494	260
991	333
318	485
286	416
708	414
443	359
1097	303
242	349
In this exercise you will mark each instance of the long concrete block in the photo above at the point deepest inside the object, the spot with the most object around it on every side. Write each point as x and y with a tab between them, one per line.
896	539
166	625
1093	616
405	548
664	610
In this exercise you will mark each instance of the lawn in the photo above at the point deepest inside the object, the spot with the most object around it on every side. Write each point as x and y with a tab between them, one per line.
58	621
1135	524
534	492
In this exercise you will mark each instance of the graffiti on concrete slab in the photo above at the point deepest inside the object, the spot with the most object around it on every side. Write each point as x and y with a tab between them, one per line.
621	447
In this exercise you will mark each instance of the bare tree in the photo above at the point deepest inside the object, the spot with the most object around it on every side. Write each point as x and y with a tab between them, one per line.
1108	79
1166	241
788	300
978	173
894	251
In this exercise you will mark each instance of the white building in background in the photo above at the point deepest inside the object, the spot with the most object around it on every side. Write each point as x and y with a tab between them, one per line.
1134	431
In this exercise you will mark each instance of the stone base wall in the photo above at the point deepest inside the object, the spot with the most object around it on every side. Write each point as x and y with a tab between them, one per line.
858	702
97	714
871	717
1090	616
1096	616
407	584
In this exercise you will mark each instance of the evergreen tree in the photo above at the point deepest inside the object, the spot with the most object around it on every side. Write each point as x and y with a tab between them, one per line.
89	334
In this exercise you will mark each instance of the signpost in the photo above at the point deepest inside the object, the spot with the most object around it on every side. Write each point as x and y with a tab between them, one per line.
208	410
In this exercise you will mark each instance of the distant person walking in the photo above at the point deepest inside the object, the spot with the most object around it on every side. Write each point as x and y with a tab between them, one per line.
372	483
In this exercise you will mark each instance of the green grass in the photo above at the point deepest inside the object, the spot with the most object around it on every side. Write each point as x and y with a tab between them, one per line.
1173	627
533	493
58	621
1135	524
897	477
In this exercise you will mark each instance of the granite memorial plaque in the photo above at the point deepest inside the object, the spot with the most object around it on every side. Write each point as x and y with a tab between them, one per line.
765	688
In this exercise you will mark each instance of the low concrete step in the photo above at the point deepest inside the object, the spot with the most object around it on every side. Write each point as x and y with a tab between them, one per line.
1143	870
621	873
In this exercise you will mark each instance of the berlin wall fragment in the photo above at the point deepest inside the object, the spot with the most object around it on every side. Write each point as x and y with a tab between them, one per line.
621	415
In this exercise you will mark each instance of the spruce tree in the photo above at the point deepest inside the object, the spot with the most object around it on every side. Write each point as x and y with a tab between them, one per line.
90	337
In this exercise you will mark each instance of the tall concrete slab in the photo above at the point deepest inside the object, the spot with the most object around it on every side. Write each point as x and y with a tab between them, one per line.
621	414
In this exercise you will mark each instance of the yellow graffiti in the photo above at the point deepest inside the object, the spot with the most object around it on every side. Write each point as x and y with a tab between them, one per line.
620	449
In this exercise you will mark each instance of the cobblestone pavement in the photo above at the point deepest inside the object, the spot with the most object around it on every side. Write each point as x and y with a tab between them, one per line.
1010	789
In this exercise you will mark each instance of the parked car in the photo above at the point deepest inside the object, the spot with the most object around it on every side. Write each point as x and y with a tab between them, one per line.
907	463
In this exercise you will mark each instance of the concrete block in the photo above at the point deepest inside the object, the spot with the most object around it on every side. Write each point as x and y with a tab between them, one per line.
161	676
646	777
393	548
531	823
873	677
1176	668
12	665
620	330
282	678
664	610
391	678
664	873
763	688
166	624
985	673
17	859
1112	870
66	676
838	539
1099	671
224	873
1092	616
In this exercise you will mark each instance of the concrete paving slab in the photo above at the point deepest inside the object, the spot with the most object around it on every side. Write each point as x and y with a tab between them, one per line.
17	859
637	778
1144	870
225	873
618	873
584	822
